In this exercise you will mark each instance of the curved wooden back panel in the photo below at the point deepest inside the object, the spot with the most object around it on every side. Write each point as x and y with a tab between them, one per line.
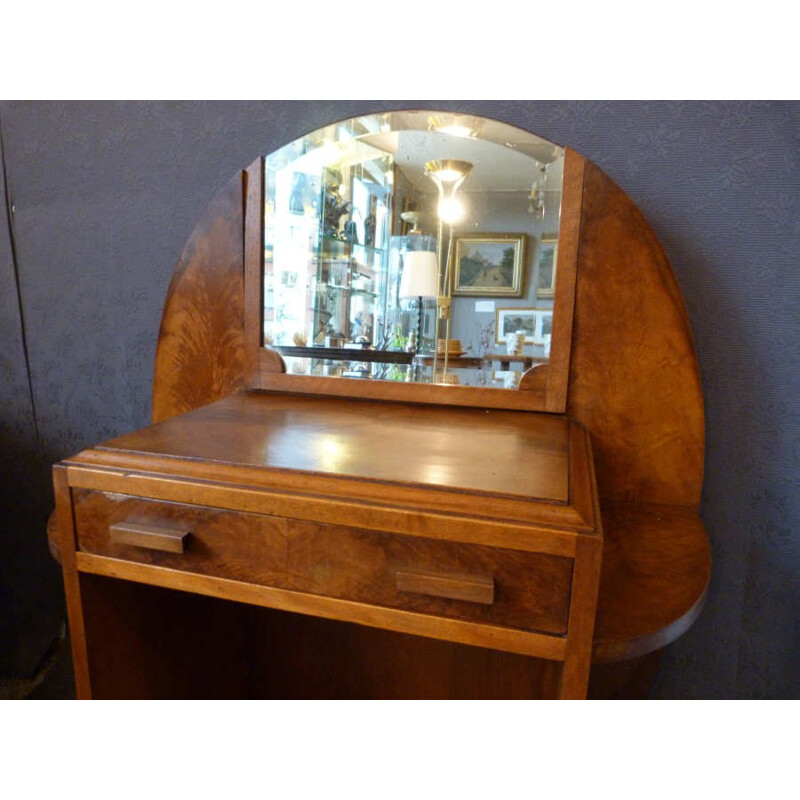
634	380
200	355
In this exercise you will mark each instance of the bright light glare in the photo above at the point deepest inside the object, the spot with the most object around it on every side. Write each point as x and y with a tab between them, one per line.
450	210
448	175
457	130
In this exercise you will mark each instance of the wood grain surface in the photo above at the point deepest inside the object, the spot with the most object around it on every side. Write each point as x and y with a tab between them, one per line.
533	589
253	220
634	380
65	528
150	643
557	372
512	640
491	452
656	569
150	537
200	354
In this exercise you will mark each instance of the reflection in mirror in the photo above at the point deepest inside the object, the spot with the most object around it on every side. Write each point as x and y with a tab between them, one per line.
412	246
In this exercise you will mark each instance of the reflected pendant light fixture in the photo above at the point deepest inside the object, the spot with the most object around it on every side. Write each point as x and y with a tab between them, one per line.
448	175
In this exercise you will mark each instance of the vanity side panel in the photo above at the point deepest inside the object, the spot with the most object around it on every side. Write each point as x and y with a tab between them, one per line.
634	379
201	354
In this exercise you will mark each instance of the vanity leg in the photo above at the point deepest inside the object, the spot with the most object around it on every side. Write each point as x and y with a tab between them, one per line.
72	590
580	626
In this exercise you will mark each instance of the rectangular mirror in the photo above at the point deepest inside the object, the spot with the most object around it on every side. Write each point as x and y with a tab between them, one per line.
413	248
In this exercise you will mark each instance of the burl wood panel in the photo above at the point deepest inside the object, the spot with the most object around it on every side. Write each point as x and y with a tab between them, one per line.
244	547
200	355
532	591
634	380
654	577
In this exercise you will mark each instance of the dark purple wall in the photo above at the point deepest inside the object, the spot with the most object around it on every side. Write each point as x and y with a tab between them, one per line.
106	194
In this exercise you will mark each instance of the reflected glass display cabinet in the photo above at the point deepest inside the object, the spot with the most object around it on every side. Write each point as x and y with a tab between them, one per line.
326	250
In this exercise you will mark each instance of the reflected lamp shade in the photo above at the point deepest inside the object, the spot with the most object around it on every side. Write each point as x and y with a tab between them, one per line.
420	274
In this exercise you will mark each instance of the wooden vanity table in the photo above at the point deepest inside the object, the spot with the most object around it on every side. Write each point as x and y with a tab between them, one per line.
290	535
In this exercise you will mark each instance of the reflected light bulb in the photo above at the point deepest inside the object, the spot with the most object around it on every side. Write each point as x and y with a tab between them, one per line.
457	130
448	175
450	210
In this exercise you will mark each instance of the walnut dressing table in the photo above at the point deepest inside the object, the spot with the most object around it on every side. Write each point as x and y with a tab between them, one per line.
276	534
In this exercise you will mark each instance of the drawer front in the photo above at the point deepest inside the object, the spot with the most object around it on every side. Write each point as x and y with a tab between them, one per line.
517	589
243	547
529	591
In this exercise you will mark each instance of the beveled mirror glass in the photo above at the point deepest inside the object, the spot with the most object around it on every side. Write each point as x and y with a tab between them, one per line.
412	246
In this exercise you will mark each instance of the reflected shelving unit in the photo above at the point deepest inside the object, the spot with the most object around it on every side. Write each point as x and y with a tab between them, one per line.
326	256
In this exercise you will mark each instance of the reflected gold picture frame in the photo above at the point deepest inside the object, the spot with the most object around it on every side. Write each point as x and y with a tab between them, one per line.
489	264
547	261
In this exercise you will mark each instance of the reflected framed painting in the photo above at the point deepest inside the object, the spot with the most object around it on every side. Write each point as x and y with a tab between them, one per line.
489	264
546	272
513	320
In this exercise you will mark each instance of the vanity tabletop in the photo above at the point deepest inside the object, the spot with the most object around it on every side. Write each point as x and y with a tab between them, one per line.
512	456
506	453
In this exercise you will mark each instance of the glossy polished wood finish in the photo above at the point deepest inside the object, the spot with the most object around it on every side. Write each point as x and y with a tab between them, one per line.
450	449
634	380
519	573
556	388
656	569
254	271
150	537
334	561
323	447
72	588
472	588
201	352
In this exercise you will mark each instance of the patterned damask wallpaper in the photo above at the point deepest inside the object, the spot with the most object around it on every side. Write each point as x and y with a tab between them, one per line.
105	195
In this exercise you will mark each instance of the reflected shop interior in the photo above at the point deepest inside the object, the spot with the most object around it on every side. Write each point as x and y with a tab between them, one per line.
412	246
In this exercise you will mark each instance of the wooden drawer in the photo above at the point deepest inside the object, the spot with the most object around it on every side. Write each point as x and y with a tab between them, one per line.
528	591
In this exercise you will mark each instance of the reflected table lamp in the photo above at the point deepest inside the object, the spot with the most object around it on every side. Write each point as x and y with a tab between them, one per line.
419	279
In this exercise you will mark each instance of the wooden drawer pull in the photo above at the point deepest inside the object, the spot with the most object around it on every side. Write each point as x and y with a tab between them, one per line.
149	536
454	587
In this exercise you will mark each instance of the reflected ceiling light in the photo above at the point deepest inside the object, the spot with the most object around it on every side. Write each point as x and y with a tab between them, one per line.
455	125
448	170
450	210
448	175
457	130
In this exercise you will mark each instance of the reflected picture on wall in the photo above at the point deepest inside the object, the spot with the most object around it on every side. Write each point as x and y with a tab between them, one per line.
511	320
489	264
546	280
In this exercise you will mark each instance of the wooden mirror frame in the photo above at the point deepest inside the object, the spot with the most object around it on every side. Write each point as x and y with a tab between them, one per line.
542	388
